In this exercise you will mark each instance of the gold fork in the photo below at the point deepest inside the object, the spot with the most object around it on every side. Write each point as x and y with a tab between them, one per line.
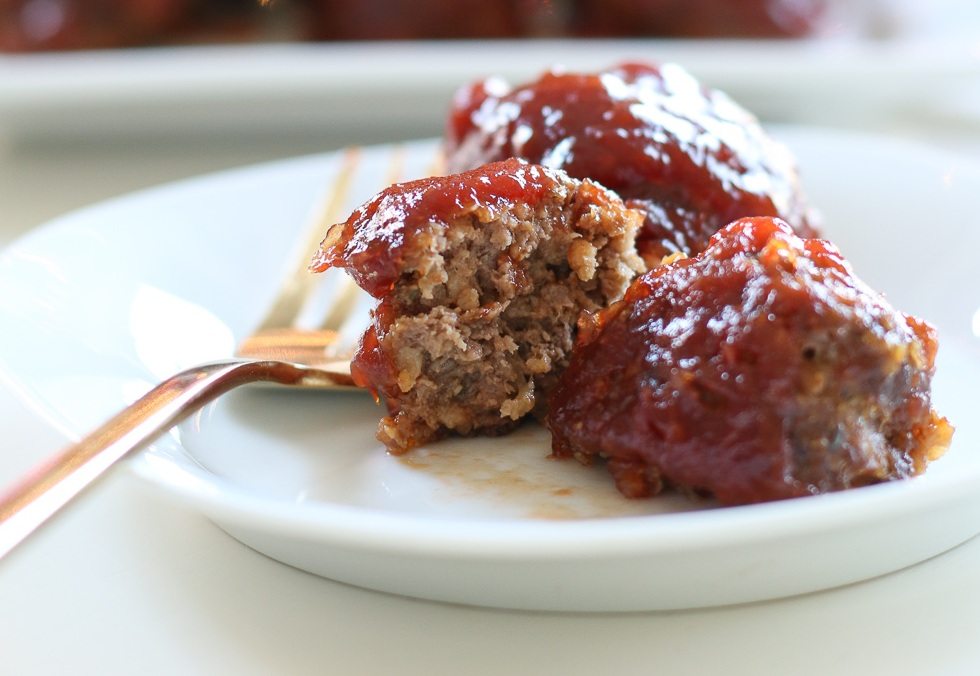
276	338
276	352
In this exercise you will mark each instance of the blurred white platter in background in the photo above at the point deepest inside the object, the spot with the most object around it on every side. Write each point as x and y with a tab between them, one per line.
403	89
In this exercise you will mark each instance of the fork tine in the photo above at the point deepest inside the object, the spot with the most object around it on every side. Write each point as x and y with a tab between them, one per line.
339	310
299	283
342	304
347	295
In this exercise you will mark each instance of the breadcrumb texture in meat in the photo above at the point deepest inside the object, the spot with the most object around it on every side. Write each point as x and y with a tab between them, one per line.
761	369
480	278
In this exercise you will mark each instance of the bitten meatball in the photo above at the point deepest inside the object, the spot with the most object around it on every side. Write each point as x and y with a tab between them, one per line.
481	278
758	370
688	157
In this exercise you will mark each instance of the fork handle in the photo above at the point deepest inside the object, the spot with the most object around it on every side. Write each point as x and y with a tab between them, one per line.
53	483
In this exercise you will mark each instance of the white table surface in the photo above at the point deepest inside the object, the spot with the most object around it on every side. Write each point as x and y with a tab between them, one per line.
130	583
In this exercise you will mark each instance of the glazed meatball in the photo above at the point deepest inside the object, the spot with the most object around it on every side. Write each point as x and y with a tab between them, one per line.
33	25
481	278
758	370
698	18
84	24
425	19
688	157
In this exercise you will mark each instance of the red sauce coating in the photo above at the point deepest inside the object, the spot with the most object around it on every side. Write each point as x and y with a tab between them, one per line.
407	20
691	158
33	25
698	18
370	243
87	24
76	24
371	367
437	19
761	369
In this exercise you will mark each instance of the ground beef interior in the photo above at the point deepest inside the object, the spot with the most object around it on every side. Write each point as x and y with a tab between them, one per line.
481	278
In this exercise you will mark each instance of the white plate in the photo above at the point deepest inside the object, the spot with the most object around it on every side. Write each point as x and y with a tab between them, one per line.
345	90
122	294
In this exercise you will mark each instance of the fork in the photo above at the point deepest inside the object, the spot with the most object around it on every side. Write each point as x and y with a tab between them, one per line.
276	352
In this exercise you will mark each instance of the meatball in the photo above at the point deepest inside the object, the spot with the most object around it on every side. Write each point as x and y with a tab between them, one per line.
76	24
758	370
481	278
388	20
698	18
34	25
688	157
